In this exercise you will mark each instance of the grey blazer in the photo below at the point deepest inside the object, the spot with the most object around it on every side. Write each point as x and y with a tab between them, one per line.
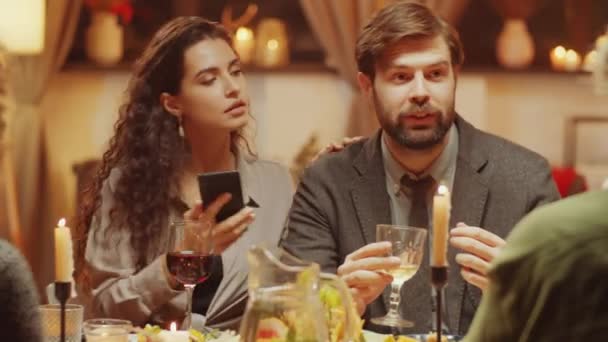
118	291
343	196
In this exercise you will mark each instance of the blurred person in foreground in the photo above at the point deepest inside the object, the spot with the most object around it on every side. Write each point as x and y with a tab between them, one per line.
550	282
19	315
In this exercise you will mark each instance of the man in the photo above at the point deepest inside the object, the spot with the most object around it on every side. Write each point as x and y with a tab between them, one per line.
409	61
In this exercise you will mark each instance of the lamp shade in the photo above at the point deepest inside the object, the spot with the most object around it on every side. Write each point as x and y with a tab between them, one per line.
22	25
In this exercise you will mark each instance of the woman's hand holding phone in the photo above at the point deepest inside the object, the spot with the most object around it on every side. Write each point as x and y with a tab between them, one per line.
223	233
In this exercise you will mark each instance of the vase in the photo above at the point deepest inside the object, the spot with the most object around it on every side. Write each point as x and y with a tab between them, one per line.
515	46
104	39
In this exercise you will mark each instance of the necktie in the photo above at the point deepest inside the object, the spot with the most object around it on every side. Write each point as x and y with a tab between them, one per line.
419	192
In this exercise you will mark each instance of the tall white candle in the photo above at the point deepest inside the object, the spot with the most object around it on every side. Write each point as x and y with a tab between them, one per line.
441	220
64	262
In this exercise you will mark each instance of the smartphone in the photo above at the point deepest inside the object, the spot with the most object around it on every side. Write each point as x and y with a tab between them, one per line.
213	184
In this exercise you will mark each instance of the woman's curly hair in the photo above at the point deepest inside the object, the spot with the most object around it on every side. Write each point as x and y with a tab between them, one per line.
146	148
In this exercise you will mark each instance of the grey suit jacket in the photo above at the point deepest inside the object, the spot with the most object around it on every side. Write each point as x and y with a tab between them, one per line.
343	196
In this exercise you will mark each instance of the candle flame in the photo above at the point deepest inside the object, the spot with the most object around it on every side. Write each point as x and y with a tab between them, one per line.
272	44
173	326
560	51
243	33
442	190
571	54
601	40
61	223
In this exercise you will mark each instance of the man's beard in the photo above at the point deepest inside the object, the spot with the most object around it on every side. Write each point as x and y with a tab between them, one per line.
409	137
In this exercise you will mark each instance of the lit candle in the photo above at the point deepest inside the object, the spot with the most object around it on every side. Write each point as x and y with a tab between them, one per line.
174	335
270	55
441	219
558	57
272	43
590	60
601	40
572	61
244	44
64	263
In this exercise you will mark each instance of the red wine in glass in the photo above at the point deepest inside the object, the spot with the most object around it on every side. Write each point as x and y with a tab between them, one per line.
188	267
189	258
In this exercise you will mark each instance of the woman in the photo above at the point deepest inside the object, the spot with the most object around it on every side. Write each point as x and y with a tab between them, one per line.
549	282
186	108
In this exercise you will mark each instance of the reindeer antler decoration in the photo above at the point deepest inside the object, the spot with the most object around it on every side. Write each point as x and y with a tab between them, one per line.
232	24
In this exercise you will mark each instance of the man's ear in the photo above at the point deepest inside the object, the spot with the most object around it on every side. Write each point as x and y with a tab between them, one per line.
365	83
171	104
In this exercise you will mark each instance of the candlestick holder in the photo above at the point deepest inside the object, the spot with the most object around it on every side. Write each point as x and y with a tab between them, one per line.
439	279
62	293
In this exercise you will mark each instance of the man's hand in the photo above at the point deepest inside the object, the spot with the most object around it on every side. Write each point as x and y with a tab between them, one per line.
336	147
363	272
480	247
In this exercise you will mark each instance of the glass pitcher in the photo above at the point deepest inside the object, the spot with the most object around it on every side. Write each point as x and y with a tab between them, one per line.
291	300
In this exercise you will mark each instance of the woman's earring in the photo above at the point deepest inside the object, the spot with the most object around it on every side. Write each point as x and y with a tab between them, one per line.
180	127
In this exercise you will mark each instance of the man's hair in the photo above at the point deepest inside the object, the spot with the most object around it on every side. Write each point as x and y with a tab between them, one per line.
403	20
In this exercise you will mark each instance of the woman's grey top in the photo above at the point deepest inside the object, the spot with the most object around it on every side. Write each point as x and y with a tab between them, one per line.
118	291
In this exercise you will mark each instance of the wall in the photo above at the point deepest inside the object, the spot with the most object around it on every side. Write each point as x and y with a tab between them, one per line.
533	111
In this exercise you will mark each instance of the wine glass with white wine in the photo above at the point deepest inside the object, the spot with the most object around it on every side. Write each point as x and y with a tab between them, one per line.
408	245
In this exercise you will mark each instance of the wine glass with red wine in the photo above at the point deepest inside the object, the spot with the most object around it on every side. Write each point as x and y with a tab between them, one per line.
189	258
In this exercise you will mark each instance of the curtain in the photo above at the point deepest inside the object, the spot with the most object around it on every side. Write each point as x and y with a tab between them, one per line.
8	197
337	24
30	76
